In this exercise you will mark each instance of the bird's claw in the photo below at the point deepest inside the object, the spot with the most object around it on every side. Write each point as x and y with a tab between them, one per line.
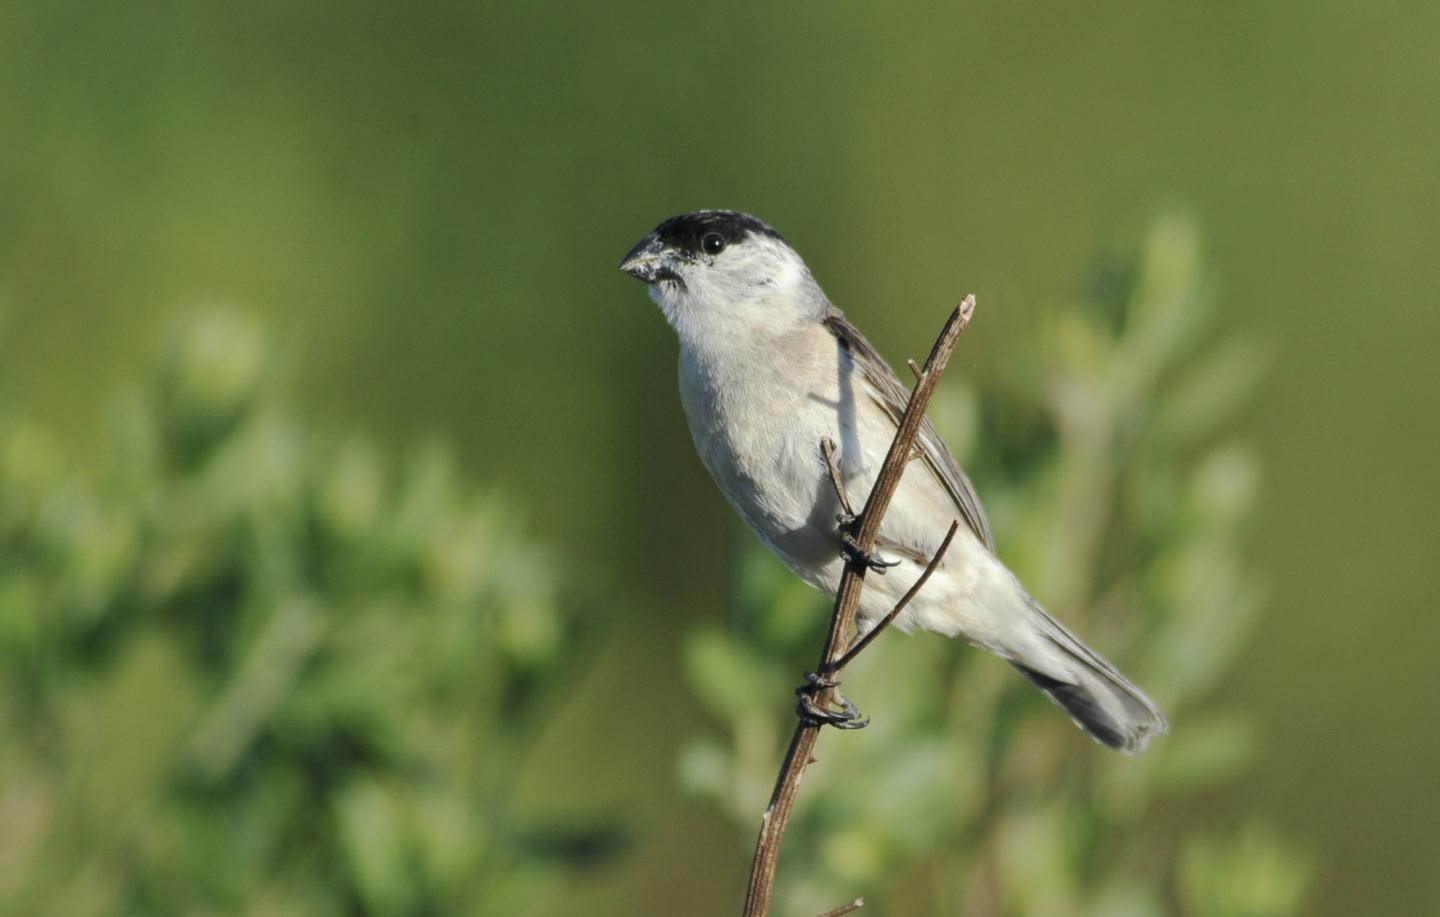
853	553
847	717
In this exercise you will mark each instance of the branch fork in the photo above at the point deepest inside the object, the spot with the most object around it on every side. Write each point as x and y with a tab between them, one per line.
820	696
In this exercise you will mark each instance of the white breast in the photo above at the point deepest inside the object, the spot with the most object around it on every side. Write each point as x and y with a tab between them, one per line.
757	428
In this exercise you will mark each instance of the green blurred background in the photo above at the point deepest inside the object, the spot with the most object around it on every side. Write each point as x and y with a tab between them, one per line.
424	205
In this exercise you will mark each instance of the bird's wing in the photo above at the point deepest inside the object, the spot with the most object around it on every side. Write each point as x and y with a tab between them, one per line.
892	396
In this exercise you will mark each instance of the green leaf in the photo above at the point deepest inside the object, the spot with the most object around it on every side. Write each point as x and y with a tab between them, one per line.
730	678
370	824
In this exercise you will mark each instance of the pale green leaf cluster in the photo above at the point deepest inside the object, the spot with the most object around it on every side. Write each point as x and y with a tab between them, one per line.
248	668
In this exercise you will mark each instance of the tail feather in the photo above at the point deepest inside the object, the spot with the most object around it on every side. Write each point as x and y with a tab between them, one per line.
1098	698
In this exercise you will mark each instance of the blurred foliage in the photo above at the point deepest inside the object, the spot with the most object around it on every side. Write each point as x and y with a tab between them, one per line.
1118	497
247	669
432	200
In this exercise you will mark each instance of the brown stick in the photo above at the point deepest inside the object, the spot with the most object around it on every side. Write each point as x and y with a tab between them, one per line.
859	645
842	620
837	481
844	909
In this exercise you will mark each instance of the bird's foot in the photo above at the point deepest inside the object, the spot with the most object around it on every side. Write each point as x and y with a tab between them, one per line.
853	553
848	716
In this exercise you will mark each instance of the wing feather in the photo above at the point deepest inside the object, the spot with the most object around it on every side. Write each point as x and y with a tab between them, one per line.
892	396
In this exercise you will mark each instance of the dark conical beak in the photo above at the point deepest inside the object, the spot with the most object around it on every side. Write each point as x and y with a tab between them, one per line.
649	261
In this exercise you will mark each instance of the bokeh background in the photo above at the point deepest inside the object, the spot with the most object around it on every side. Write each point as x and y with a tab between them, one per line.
420	208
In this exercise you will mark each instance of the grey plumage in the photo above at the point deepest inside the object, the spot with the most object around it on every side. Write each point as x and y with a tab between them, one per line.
769	368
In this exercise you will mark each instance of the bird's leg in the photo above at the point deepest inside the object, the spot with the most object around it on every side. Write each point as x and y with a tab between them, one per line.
847	717
849	547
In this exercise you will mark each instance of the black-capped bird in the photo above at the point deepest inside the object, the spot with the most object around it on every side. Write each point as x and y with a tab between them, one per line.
768	369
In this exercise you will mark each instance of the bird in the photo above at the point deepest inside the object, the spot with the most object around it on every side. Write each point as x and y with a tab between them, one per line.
769	368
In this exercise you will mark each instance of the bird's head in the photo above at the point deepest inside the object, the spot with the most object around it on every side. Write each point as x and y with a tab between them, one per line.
724	273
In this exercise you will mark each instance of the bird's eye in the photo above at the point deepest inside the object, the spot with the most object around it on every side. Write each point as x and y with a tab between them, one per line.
713	243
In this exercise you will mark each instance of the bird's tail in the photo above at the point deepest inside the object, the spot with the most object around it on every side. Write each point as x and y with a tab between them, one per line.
1098	698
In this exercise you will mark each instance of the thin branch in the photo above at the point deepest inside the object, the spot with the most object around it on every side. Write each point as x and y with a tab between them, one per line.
844	909
827	446
859	645
842	620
